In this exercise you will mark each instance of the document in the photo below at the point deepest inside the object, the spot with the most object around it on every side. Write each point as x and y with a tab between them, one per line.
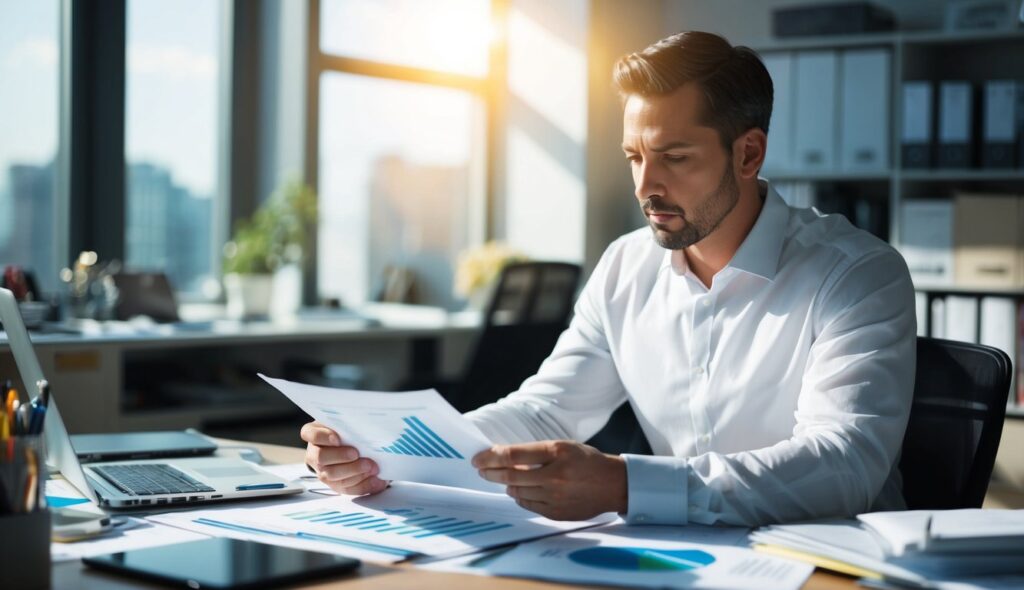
413	436
405	521
672	557
133	534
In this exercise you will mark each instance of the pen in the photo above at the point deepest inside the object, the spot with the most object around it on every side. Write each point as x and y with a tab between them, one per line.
44	392
259	486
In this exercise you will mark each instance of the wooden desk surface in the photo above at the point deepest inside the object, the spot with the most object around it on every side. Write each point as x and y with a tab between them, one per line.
72	575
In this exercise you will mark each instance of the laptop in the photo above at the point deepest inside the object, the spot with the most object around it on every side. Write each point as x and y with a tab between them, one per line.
137	483
121	446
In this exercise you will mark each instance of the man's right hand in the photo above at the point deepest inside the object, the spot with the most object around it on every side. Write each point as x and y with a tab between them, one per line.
337	465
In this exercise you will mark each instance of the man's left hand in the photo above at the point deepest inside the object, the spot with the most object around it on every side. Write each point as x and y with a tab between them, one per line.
559	479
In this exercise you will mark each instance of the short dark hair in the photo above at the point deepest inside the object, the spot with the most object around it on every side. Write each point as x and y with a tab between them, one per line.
736	86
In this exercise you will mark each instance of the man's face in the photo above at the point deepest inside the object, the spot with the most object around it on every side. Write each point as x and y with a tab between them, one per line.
683	175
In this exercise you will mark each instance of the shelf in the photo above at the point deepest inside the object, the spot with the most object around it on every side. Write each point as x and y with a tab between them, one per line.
876	176
825	42
955	37
969	291
950	174
887	38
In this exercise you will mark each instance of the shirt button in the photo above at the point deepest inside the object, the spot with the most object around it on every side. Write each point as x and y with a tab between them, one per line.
705	438
641	518
699	370
706	303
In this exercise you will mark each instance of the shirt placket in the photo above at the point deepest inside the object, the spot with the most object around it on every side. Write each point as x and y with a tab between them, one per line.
700	360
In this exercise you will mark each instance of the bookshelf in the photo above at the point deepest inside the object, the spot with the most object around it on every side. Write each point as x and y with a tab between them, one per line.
974	56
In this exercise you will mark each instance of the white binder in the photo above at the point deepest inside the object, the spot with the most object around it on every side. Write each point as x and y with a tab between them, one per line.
779	157
864	143
816	97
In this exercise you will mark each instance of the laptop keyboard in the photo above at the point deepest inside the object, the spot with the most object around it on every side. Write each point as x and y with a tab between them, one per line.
148	479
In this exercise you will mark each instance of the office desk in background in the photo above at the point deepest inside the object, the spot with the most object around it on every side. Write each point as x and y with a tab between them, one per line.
73	575
120	377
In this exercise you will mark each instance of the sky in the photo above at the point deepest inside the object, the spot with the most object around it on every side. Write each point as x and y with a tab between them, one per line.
171	86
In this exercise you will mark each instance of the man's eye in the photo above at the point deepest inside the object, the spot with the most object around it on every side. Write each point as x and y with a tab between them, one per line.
674	158
633	159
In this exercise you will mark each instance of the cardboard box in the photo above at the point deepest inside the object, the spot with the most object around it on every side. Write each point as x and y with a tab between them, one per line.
987	241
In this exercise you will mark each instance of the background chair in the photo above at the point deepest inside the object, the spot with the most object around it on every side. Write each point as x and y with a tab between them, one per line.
955	423
530	308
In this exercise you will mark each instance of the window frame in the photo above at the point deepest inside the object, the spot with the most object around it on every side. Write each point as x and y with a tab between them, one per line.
92	179
489	89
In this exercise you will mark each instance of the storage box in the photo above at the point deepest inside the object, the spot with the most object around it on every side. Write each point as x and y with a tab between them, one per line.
987	241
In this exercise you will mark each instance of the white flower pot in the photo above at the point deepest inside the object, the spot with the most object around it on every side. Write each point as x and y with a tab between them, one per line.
248	295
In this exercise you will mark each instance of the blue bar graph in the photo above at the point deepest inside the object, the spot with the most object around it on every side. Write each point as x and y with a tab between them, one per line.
418	440
404	522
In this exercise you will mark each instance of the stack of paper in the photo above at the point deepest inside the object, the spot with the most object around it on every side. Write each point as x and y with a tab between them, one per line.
914	547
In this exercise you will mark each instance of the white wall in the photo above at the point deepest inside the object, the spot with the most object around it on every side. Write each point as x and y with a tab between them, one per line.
546	129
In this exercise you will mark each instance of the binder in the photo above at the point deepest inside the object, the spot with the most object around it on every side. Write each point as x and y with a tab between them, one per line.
962	318
816	98
916	136
1001	127
926	241
987	241
864	143
779	157
955	124
999	327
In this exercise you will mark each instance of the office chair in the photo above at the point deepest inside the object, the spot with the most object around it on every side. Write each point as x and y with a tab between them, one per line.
956	420
528	311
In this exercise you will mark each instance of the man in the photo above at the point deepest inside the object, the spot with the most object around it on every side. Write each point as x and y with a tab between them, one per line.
768	352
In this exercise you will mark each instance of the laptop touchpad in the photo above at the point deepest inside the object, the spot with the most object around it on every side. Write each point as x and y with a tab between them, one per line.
229	471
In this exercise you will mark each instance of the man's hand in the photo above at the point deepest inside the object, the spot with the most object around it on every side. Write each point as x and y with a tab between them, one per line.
337	465
559	479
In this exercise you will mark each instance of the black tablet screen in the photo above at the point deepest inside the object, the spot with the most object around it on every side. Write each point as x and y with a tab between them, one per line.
224	563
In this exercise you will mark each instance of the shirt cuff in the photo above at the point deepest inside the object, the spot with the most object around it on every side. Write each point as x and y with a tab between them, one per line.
657	489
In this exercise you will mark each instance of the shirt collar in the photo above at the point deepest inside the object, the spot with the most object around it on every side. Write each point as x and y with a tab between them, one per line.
760	251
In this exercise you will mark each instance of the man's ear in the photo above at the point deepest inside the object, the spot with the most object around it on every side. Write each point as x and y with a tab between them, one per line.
748	152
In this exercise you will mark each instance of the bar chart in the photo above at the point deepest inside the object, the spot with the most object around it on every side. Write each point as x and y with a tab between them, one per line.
412	523
419	440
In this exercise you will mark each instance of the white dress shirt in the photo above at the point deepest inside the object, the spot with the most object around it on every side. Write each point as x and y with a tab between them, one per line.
780	393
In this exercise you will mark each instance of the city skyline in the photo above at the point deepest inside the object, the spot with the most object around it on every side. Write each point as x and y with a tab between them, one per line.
168	227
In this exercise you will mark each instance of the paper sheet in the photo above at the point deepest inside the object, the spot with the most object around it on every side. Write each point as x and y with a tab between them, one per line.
413	436
138	534
631	556
405	521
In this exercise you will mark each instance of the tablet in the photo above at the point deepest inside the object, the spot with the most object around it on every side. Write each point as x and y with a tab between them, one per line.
224	564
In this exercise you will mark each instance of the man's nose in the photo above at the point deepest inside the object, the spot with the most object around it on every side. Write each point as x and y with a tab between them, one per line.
648	182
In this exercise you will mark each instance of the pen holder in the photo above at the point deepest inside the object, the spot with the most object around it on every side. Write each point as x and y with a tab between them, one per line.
24	519
25	550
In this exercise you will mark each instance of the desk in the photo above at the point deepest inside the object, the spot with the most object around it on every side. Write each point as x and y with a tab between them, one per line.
73	575
111	378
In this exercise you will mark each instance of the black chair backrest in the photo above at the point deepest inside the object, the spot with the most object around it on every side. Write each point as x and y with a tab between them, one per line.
529	310
955	423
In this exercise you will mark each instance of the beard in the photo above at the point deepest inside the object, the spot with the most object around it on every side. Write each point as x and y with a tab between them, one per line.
698	224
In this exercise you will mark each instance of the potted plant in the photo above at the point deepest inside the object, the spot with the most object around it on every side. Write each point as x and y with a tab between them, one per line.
478	269
269	248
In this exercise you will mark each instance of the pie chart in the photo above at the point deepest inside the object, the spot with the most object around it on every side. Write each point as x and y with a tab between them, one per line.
641	558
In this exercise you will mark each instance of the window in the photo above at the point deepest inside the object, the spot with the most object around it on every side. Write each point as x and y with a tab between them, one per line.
172	83
402	142
29	116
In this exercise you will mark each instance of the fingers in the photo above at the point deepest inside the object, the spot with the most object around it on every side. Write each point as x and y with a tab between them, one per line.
318	434
516	476
536	453
528	493
369	485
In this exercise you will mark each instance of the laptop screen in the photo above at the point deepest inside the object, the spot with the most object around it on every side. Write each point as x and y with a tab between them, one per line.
59	452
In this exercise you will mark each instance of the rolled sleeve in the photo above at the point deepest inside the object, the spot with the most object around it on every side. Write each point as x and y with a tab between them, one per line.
657	490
